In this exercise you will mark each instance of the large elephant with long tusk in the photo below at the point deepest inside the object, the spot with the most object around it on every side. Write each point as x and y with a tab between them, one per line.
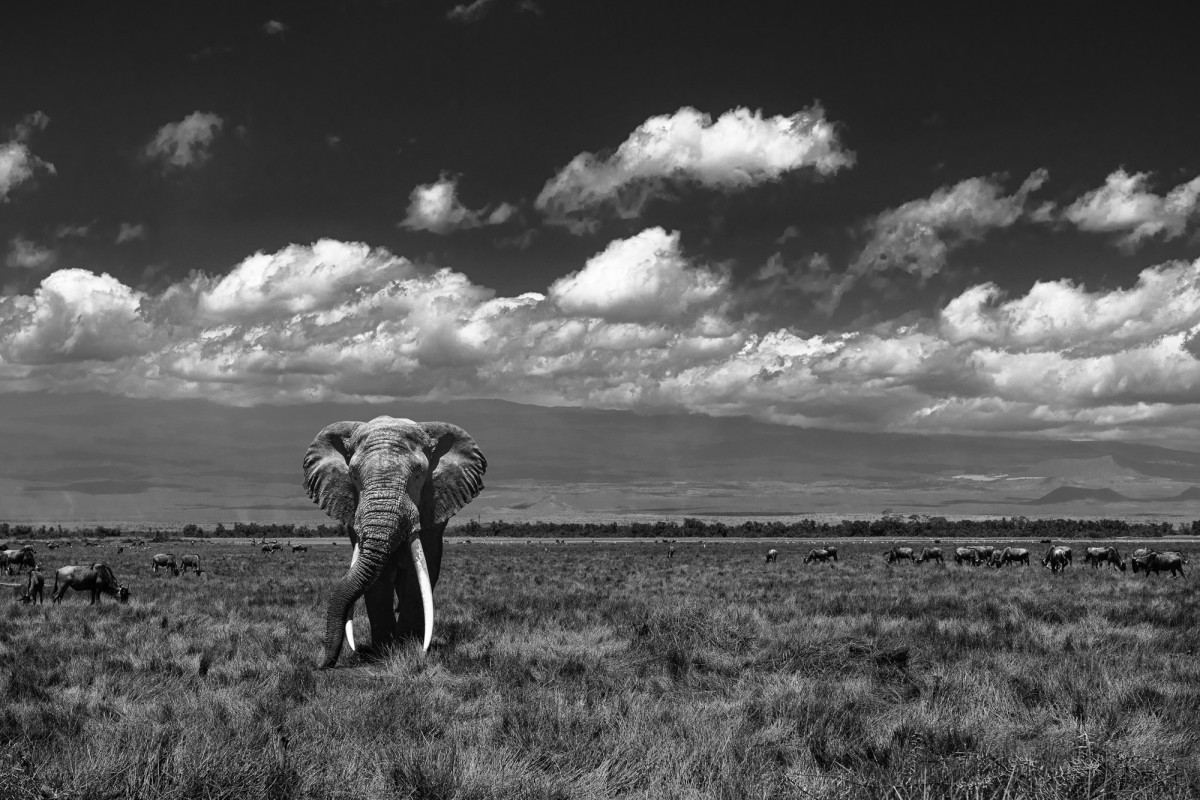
394	484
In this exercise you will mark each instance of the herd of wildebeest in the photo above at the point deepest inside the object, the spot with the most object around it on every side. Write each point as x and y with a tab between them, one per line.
1057	557
98	578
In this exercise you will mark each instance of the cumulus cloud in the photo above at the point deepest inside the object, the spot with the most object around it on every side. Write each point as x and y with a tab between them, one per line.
75	315
185	144
915	239
1124	205
916	236
640	326
130	232
28	254
641	278
435	207
741	149
18	164
468	13
66	231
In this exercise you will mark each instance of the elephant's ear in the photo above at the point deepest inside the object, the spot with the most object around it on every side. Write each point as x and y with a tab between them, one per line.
456	477
327	471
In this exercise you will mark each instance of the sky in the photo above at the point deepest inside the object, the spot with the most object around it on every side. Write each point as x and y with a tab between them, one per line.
982	223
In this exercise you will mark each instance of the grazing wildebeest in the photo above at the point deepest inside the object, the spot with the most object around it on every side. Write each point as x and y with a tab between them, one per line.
97	579
1016	555
997	559
670	552
31	592
166	561
899	554
266	548
772	554
968	554
299	548
190	561
1170	561
823	555
19	558
984	553
1057	557
931	554
1103	555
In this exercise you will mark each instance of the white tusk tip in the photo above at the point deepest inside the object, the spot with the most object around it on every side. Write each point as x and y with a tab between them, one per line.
350	634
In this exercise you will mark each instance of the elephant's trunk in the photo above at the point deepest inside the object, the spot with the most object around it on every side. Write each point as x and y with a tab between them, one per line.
379	521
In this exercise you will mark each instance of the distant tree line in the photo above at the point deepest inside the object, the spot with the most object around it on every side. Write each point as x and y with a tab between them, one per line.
889	526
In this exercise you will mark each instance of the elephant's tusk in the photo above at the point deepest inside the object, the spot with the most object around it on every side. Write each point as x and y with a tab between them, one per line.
418	557
350	634
354	556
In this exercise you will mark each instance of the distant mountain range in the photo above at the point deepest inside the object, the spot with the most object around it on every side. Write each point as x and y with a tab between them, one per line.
196	461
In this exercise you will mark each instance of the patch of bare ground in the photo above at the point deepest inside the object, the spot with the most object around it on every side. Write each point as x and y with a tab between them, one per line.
610	670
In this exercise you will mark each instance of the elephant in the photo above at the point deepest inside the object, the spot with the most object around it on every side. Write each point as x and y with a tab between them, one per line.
166	561
772	554
968	554
1057	558
97	579
1171	562
931	554
1103	555
1016	555
190	561
394	483
24	557
899	554
822	555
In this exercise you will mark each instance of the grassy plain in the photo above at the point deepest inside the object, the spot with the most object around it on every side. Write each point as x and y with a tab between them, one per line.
608	670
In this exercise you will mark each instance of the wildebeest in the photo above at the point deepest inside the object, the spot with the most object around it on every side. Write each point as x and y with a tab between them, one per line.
1103	555
899	554
1017	555
1171	561
303	548
997	559
984	553
772	554
931	554
1057	557
824	554
166	561
23	557
968	554
190	561
97	579
31	592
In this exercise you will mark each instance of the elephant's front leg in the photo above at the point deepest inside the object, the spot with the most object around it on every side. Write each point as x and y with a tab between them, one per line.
410	617
378	600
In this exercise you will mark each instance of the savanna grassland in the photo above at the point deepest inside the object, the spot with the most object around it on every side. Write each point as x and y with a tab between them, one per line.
593	670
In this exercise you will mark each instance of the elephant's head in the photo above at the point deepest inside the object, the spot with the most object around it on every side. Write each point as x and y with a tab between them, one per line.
387	480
